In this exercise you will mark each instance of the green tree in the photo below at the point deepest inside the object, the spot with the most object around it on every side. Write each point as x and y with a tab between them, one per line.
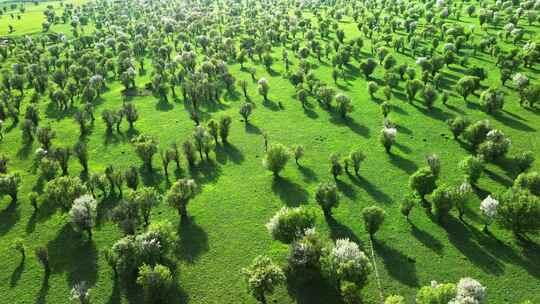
179	195
276	158
262	277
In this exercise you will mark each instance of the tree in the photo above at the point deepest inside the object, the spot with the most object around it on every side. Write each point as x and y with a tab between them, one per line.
429	94
146	198
423	182
373	217
356	157
262	276
492	100
327	197
276	158
224	128
524	160
368	67
298	152
436	293
81	152
126	214
443	201
9	185
412	87
519	211
408	203
64	190
467	85
344	105
179	195
213	130
83	214
145	147
62	155
131	176
246	110
394	299
289	224
203	140
458	125
336	168
81	293
131	114
488	209
528	181
476	133
470	291
346	264
388	138
263	87
45	135
496	145
472	167
189	152
372	88
156	282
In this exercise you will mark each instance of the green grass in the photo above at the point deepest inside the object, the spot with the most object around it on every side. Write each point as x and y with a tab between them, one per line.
238	196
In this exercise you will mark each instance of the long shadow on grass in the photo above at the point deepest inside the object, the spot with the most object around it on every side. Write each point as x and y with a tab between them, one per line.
308	173
513	122
314	290
16	274
288	191
340	231
192	242
371	189
205	171
427	239
351	124
9	217
228	151
402	163
462	237
43	290
73	254
398	265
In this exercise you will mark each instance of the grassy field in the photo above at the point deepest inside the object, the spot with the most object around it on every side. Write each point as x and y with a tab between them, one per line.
239	196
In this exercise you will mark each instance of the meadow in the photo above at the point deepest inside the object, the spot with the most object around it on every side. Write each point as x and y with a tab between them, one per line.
238	195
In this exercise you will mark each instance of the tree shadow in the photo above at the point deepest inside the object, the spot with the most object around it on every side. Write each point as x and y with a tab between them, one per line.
116	293
351	124
205	171
427	239
228	151
269	104
398	265
151	178
403	148
316	290
503	181
288	191
340	231
69	252
461	238
513	122
9	217
25	150
16	274
308	174
31	224
371	189
163	106
404	164
43	290
192	241
346	189
252	129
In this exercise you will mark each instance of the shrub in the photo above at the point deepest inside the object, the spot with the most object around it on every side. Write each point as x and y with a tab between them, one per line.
373	218
224	128
289	224
83	214
346	262
443	200
276	158
179	195
297	152
9	185
434	163
246	110
304	256
524	160
423	182
156	281
461	197
327	196
470	291
408	203
492	100
436	293
262	276
472	167
496	145
64	190
336	169
529	181
519	211
458	125
126	214
146	198
477	132
388	138
394	299
145	147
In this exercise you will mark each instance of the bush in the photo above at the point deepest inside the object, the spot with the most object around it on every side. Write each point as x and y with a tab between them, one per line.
262	276
276	158
346	262
443	201
477	132
64	190
395	300
436	293
145	147
496	145
524	160
492	100
83	214
472	167
388	138
179	195
289	224
373	218
423	182
327	196
9	185
357	157
408	203
529	181
304	255
156	281
519	212
458	125
470	291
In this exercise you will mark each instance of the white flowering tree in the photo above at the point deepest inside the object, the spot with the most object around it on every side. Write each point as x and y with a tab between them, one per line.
83	214
388	137
290	223
488	208
80	293
469	291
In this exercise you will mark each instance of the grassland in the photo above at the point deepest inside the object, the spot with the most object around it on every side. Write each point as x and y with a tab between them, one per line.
239	195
